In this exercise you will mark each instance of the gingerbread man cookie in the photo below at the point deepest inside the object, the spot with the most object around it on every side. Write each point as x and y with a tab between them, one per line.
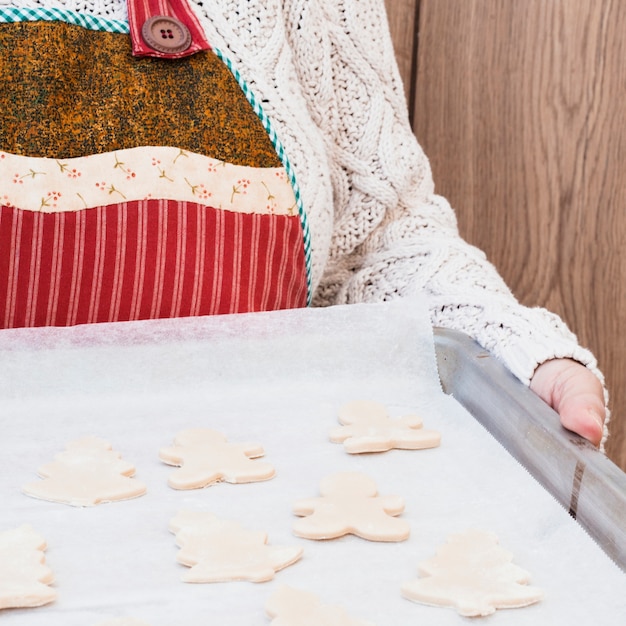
217	550
368	428
473	574
350	505
293	607
24	577
205	457
89	472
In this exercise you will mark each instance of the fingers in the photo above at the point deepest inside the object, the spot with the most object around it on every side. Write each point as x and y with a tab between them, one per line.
575	394
580	415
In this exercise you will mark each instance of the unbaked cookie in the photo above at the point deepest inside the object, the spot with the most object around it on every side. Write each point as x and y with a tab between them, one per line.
123	621
205	457
293	607
350	505
217	550
473	574
24	576
367	427
89	472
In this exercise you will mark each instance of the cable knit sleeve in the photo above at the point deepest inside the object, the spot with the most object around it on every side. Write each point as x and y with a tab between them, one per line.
392	235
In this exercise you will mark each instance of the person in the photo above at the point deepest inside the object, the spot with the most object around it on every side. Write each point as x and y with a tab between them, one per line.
139	185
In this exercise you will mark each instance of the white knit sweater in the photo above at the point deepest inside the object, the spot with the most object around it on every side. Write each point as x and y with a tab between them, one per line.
325	73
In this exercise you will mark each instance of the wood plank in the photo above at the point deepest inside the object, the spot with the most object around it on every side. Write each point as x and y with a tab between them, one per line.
402	15
519	107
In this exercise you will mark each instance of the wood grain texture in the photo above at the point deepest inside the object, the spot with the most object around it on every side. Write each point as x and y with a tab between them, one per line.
402	15
519	106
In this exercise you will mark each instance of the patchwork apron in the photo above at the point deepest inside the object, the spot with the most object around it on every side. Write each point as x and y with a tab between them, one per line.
139	177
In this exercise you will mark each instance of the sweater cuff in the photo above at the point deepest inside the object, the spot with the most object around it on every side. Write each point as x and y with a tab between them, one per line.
522	354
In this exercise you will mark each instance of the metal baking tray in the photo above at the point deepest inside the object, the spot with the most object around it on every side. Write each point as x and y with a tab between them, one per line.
588	484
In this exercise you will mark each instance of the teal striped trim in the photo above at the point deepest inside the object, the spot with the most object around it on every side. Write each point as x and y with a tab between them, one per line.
280	151
12	14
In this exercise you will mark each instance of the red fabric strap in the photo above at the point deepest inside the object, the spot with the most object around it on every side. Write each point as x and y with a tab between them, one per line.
139	11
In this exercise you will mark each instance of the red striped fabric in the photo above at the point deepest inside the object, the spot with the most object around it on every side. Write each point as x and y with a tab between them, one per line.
144	260
140	10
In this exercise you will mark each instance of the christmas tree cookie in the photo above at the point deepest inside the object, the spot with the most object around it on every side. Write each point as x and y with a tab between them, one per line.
24	576
87	473
474	575
218	550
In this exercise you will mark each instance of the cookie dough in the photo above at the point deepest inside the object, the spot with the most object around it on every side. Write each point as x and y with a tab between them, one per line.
367	427
217	550
294	607
89	472
24	576
205	457
350	504
474	575
123	621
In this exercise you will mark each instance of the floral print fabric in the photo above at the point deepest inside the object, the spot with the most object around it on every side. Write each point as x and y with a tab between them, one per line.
53	185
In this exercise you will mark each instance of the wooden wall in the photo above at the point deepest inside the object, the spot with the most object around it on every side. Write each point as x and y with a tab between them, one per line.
403	22
519	106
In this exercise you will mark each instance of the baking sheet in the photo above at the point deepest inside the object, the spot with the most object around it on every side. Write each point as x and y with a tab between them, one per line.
277	379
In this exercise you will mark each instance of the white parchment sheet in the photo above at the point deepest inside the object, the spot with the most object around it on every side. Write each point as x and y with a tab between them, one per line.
276	379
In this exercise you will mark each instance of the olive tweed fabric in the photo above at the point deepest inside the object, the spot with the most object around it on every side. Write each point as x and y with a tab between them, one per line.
68	91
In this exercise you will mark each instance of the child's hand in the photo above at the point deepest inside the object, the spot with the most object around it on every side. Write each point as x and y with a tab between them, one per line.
574	393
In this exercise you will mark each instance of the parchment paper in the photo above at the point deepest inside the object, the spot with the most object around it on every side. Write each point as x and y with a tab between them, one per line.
276	379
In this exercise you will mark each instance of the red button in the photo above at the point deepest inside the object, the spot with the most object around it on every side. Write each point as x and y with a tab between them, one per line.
166	34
